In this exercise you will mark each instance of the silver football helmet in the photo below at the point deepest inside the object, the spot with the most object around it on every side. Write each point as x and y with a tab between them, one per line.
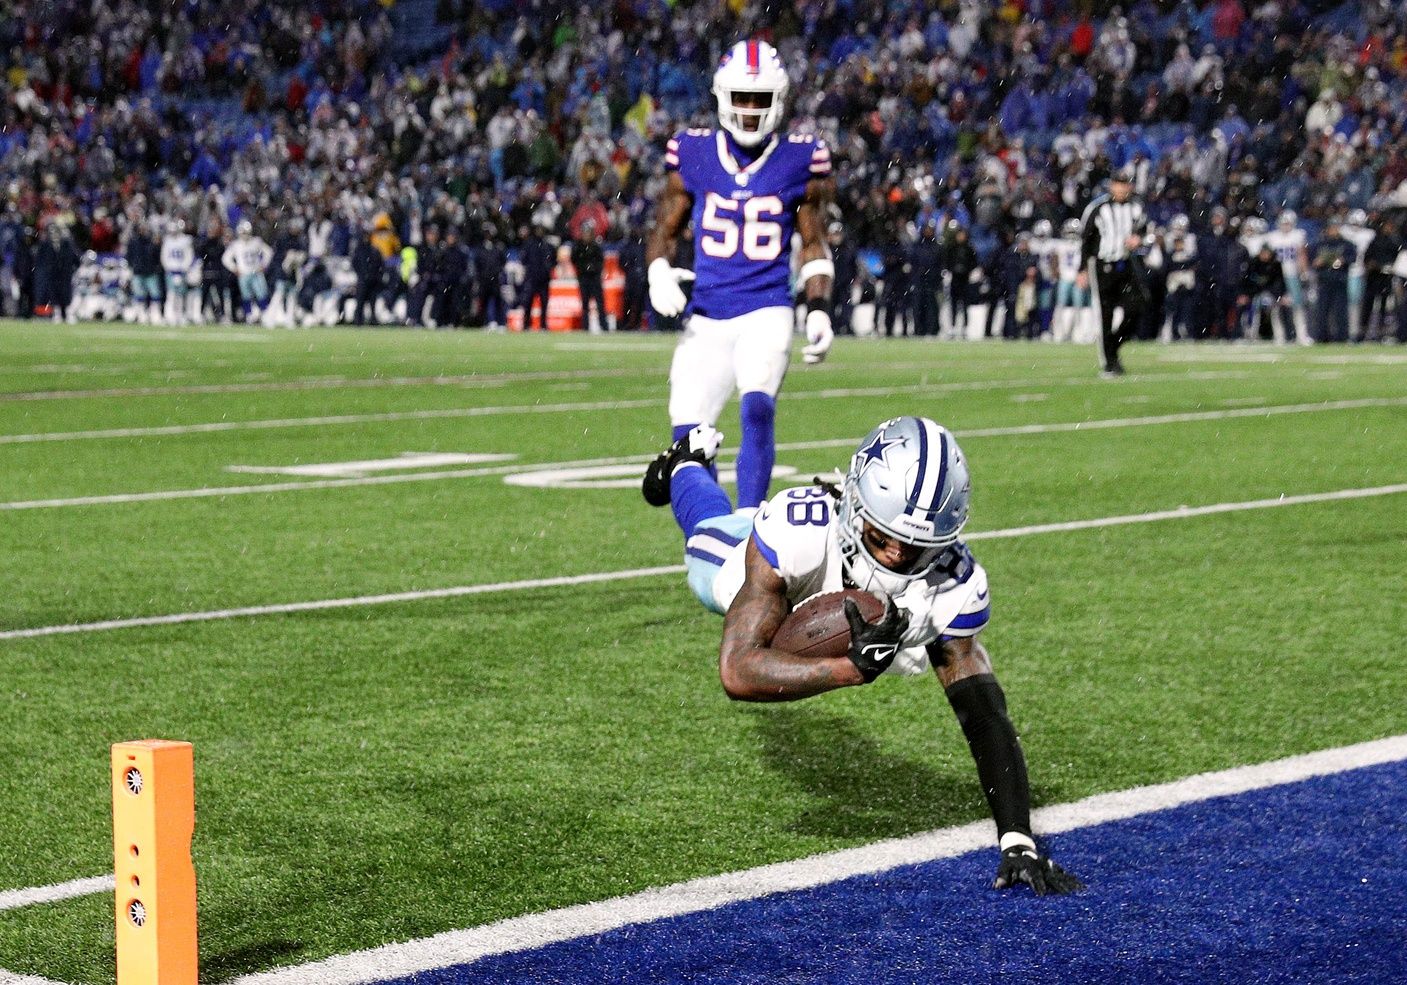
1070	229
1042	229
909	480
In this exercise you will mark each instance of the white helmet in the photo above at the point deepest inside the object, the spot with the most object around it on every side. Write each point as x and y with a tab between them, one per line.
750	67
1042	229
1070	229
909	480
245	228
1287	219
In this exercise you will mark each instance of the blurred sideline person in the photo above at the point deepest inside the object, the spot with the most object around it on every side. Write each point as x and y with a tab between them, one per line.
1290	244
247	258
179	262
746	186
893	529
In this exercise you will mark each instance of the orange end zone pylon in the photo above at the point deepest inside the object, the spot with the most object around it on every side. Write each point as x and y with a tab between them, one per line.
153	819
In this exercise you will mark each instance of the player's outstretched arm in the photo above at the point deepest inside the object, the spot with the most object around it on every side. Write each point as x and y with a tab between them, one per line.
817	269
672	213
965	671
747	665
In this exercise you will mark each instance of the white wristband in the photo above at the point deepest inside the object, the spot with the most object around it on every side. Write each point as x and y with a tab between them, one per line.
815	268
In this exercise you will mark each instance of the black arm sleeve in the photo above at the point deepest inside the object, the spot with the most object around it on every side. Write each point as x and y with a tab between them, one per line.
980	705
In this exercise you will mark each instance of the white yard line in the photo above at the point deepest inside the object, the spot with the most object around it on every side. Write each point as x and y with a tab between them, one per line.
322	383
536	930
168	336
206	492
209	427
1181	513
13	899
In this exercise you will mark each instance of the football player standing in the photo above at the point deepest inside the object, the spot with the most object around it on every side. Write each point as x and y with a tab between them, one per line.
746	187
892	528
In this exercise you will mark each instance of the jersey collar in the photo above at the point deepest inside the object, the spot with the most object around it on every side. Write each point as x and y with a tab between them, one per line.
742	174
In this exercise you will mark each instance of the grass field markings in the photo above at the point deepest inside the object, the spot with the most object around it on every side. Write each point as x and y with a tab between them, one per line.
1029	398
282	608
357	469
10	978
463	380
1351	358
1243	401
13	899
204	492
317	605
625	476
157	336
208	427
536	930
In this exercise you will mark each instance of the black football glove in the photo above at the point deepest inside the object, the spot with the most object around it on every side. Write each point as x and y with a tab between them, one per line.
873	645
1020	864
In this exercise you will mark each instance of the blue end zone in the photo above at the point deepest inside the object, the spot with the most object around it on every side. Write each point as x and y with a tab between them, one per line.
1298	883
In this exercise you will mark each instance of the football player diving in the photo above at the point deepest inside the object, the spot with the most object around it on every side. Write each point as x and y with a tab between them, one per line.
892	528
746	187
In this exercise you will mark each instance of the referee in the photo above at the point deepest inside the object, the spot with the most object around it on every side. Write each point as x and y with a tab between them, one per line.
1113	230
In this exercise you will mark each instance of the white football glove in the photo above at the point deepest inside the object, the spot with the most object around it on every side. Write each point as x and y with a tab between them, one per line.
820	334
666	296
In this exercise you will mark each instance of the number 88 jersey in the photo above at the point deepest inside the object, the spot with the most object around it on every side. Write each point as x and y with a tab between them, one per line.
744	215
795	532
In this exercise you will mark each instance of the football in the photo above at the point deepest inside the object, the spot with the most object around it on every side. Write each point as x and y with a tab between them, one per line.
817	628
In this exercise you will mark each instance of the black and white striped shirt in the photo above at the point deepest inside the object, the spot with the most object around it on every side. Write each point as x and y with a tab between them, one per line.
1107	224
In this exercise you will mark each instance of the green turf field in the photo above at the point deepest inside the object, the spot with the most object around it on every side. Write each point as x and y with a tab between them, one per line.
384	772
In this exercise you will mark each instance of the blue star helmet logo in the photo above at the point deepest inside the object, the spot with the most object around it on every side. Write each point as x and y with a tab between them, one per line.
877	450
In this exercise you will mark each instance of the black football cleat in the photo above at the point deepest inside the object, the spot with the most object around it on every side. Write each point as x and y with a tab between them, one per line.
699	445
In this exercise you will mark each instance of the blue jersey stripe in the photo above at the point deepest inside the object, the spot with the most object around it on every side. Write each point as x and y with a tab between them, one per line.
972	620
703	555
765	551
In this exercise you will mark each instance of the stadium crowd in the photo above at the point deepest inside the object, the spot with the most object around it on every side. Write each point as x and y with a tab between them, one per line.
423	161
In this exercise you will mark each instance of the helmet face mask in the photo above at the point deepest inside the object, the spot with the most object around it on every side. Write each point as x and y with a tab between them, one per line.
908	483
751	87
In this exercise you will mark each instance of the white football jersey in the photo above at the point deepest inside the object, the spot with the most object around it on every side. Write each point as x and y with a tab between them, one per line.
1287	246
177	253
247	255
1066	254
795	532
1044	248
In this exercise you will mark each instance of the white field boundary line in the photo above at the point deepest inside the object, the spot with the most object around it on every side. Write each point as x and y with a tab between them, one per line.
207	427
13	899
204	492
1181	513
465	380
540	929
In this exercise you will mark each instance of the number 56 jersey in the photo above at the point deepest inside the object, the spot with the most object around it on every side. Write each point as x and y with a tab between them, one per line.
744	216
796	532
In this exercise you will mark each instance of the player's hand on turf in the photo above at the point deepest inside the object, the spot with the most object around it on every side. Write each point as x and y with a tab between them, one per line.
1023	865
819	334
873	645
666	296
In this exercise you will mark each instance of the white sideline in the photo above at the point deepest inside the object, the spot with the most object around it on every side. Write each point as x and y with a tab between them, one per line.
1182	512
539	929
12	899
205	492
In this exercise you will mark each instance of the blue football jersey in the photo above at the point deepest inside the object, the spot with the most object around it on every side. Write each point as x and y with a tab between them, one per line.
744	216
